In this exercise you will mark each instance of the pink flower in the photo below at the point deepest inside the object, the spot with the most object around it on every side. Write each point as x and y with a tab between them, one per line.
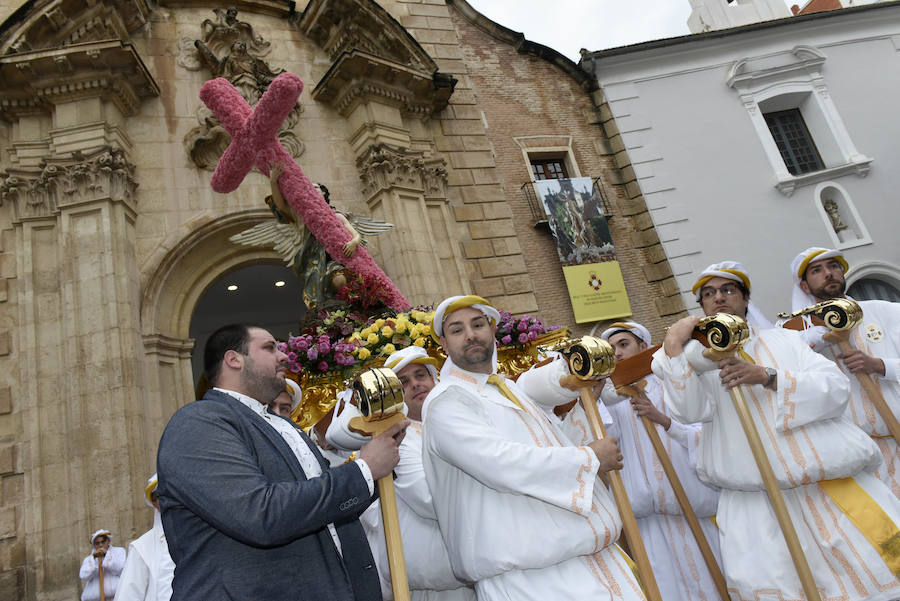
300	344
324	347
322	366
312	354
522	326
292	357
506	339
523	338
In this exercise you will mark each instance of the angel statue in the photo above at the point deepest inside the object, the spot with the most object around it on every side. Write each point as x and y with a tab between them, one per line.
320	276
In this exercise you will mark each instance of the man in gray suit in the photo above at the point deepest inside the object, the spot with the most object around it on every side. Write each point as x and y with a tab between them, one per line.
250	508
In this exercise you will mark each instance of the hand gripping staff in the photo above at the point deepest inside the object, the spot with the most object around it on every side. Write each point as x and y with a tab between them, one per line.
627	373
380	401
840	316
725	335
591	359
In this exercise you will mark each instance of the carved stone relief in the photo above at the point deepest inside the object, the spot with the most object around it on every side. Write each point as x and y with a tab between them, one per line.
40	192
229	48
382	167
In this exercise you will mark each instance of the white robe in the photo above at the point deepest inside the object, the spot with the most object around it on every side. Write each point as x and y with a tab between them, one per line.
521	509
677	563
113	563
807	439
877	335
427	565
148	568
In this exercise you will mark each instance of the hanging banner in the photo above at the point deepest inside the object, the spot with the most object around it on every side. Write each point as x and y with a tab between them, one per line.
584	243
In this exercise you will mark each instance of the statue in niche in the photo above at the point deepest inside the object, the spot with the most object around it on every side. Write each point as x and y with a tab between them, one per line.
229	48
834	214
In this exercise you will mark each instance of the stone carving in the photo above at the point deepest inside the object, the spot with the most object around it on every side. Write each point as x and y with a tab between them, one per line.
230	49
384	166
834	214
40	192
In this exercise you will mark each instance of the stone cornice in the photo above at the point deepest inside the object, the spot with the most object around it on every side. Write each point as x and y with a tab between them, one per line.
357	76
110	69
374	58
339	26
40	192
45	24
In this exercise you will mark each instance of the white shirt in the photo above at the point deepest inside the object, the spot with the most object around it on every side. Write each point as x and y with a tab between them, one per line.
309	463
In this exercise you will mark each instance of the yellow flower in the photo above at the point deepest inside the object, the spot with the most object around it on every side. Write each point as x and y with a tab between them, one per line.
402	317
355	336
378	323
363	353
419	342
372	338
387	332
364	333
400	327
389	348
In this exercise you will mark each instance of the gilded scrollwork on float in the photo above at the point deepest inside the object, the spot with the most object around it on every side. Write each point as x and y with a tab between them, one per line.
229	48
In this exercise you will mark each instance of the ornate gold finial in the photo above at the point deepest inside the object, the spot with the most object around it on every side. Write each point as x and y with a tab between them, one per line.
589	358
725	333
839	314
379	393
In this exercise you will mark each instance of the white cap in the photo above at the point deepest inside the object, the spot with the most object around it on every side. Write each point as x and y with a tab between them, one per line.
152	483
799	298
101	532
412	355
732	270
454	303
293	389
632	327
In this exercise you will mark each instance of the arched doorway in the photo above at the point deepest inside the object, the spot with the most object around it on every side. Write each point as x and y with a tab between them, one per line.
266	294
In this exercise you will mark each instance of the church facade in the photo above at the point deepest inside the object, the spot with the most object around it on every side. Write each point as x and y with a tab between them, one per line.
422	113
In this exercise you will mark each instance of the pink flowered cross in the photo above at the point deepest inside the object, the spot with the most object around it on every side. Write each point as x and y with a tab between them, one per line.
254	143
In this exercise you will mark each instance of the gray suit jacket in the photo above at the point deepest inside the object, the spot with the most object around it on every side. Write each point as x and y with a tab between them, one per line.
242	520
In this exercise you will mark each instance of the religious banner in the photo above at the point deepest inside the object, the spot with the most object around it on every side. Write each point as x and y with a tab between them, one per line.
584	243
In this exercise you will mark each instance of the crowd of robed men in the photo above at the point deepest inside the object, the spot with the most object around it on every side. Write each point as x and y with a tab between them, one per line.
500	497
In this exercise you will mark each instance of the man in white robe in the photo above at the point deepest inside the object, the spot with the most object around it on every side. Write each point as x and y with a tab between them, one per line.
823	463
149	567
111	559
819	276
427	565
678	565
521	509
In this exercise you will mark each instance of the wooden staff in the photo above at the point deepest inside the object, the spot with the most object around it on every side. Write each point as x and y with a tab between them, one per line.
726	334
380	398
590	359
100	576
841	316
693	523
627	372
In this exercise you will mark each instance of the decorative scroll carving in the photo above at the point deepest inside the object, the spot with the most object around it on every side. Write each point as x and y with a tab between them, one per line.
40	192
383	167
229	48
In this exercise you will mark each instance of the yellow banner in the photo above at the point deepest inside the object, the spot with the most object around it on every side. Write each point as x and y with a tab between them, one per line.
597	291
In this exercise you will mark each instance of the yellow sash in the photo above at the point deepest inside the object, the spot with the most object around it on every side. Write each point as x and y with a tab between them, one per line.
504	389
868	517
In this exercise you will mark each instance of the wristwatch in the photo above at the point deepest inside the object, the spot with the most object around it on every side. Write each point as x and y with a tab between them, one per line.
770	383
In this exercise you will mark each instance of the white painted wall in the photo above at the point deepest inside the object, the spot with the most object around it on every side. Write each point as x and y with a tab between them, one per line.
704	172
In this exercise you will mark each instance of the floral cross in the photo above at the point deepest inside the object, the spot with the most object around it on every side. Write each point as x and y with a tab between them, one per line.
254	143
